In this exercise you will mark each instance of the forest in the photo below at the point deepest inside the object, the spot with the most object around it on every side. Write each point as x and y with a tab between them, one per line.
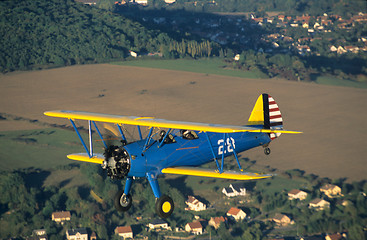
42	34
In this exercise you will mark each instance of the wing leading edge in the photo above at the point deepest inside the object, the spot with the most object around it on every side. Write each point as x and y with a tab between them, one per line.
160	123
96	158
203	172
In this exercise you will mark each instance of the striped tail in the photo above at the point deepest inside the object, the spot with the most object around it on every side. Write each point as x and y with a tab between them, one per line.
266	113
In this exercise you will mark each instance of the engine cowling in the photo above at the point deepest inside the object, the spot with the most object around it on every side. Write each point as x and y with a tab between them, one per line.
117	162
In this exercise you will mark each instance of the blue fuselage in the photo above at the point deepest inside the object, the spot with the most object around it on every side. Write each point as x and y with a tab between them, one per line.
186	152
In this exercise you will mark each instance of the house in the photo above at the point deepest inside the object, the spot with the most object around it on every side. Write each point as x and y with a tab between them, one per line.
77	234
216	221
39	234
281	219
335	236
303	49
333	48
236	214
352	49
341	50
194	227
158	224
297	194
194	204
281	17
331	190
228	192
133	54
93	236
234	189
319	204
142	2
124	231
61	217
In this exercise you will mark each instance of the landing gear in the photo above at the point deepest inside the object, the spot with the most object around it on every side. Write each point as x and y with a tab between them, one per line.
267	151
164	206
122	201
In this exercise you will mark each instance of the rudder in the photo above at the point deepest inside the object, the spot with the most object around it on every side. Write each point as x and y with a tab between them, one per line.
266	113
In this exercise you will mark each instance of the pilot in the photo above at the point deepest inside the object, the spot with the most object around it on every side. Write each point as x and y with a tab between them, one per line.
168	139
189	135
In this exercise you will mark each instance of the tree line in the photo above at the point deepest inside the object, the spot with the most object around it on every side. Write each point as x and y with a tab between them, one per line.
40	34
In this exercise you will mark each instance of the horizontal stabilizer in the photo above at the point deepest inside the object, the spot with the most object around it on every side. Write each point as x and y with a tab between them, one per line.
203	172
97	158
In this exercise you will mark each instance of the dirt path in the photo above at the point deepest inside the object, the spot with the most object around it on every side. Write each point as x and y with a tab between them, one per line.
332	118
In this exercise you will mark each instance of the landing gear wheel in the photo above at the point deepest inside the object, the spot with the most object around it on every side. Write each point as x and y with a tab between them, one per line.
122	201
164	206
267	151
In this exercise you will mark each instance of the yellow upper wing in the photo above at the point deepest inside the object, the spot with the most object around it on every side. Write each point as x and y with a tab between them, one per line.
161	123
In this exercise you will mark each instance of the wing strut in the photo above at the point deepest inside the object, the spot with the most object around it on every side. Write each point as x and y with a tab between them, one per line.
122	133
81	139
164	138
227	141
100	135
211	148
148	140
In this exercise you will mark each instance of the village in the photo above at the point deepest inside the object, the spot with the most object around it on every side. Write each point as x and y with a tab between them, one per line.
199	226
278	33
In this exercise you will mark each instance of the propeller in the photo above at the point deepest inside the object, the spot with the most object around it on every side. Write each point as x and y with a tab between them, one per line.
117	160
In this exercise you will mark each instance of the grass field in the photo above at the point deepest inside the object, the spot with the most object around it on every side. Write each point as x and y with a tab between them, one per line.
217	66
39	149
327	80
207	66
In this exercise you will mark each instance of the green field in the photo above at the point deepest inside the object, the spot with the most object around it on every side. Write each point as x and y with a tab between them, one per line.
207	66
39	149
217	66
328	80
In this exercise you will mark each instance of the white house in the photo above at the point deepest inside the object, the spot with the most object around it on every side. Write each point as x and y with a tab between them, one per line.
77	234
331	190
61	217
194	204
234	189
158	224
217	221
124	231
236	214
281	219
228	192
297	194
133	54
319	204
194	227
40	234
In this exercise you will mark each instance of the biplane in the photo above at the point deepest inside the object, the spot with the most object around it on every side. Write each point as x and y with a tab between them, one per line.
175	147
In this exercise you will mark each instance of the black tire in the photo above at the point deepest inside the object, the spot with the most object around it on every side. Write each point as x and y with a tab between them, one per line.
164	206
122	202
267	151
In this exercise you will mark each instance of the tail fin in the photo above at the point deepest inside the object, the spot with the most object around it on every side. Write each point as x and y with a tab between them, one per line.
266	114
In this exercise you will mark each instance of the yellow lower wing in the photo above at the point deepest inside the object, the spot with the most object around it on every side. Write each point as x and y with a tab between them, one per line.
97	158
202	172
